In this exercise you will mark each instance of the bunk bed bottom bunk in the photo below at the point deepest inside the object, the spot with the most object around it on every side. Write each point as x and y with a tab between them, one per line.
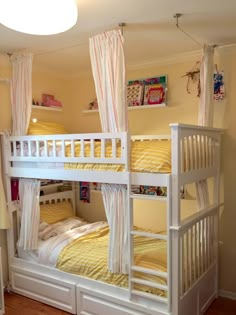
80	295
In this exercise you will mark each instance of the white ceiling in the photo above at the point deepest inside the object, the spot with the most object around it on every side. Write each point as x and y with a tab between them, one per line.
150	32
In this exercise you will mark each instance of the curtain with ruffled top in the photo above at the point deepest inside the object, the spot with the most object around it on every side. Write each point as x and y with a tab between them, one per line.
108	67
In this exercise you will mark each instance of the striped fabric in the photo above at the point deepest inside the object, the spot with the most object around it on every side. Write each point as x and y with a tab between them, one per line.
21	92
55	212
87	256
29	190
46	128
109	73
146	156
206	113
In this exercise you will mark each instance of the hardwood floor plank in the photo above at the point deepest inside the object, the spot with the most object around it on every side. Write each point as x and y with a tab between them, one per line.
19	305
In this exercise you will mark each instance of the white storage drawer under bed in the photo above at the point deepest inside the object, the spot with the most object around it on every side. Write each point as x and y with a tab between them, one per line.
43	288
93	302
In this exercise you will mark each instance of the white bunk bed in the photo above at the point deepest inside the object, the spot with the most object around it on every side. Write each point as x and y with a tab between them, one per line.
192	263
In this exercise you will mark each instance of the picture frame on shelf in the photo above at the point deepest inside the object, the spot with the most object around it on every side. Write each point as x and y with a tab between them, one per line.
147	91
135	93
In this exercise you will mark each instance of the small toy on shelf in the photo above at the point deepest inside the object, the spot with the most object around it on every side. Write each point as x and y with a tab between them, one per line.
93	105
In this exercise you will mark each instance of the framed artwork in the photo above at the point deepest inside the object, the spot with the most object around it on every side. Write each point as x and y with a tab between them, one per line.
84	192
219	87
155	90
134	93
148	91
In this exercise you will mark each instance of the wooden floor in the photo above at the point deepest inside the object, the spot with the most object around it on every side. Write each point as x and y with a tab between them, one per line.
19	305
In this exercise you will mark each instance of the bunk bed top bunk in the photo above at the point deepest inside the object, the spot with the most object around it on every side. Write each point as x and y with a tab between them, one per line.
107	157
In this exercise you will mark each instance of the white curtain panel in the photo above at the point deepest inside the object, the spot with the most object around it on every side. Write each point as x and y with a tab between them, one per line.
115	197
21	92
4	216
206	104
29	191
206	112
108	67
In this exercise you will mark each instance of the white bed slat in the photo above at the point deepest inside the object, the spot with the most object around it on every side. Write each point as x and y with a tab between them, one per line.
103	143
150	235
82	148
63	148
54	152
37	148
92	148
45	148
72	147
191	153
150	271
150	284
150	296
113	148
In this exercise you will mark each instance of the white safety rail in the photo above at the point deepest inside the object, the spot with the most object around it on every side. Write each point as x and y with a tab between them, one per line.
73	148
195	157
198	247
68	195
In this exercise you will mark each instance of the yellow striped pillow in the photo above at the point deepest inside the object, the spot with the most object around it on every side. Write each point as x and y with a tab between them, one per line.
55	212
46	128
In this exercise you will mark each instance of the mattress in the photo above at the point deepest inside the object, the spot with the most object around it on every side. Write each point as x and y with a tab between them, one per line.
146	156
88	256
83	251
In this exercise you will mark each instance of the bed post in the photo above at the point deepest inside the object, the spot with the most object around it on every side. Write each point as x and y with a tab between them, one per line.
216	200
10	206
174	220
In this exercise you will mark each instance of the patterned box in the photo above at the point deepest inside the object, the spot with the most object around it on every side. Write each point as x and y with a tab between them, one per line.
154	94
134	94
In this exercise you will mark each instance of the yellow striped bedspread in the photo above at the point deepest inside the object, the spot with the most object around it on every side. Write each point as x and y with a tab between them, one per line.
88	257
146	156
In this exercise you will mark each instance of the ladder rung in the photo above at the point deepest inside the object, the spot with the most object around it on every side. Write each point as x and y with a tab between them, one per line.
151	235
150	284
150	296
150	271
149	197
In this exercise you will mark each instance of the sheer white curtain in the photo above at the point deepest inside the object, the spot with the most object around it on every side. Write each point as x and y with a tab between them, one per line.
115	199
206	112
108	67
21	92
4	217
29	191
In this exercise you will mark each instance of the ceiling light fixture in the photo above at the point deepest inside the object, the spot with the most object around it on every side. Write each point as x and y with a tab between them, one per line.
38	17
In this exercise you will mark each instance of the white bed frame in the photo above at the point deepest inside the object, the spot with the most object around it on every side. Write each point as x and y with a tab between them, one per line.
192	263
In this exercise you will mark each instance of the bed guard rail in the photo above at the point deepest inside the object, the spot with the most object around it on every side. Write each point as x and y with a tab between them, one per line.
69	148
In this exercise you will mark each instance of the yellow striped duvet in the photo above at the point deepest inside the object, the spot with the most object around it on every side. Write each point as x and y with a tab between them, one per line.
146	156
87	256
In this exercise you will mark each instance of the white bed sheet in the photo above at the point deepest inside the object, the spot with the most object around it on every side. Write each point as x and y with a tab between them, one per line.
49	250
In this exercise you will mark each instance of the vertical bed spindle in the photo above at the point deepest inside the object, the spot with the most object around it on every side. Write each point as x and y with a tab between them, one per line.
82	148
92	148
72	147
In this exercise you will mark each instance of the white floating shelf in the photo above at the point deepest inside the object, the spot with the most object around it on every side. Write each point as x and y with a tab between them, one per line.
47	108
146	106
89	111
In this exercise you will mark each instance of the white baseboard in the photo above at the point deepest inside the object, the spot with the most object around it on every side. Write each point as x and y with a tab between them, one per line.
228	294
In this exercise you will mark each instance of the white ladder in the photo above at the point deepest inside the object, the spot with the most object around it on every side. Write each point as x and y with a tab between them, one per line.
133	268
